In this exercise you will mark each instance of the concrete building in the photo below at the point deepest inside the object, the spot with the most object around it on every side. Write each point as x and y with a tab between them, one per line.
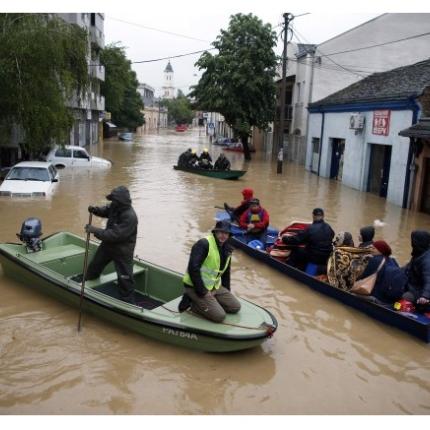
354	133
168	89
315	71
155	114
88	113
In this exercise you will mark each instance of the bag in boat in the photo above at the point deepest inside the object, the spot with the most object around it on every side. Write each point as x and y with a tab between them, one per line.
365	286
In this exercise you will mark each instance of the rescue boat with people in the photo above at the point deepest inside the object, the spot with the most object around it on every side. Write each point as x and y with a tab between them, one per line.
417	324
53	265
212	173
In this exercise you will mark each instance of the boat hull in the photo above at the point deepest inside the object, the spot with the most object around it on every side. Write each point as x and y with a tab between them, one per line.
416	324
144	322
219	174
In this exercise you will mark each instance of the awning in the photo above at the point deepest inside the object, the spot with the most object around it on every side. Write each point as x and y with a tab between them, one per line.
419	130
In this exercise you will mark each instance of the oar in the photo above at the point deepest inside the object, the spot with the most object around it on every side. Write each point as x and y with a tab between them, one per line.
87	245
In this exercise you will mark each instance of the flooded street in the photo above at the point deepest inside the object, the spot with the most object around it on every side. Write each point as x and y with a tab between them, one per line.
325	358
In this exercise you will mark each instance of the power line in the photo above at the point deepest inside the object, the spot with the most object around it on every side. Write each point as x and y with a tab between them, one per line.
158	30
172	56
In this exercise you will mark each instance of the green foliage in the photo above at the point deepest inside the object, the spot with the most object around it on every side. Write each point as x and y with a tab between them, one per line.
239	82
179	109
43	61
120	88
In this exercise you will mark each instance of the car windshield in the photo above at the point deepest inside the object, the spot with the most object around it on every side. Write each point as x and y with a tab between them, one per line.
28	174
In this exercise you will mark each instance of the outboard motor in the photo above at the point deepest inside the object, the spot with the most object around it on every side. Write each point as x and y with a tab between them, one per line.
31	230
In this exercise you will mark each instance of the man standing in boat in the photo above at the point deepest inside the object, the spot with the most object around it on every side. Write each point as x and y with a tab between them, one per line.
118	240
207	279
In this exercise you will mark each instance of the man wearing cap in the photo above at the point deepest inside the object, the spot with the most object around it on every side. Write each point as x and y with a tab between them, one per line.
317	238
207	279
118	240
205	160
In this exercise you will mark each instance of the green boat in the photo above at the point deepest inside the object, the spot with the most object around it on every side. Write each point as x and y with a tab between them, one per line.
219	174
158	292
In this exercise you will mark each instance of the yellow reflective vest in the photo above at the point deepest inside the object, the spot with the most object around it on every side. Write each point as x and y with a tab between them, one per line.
210	270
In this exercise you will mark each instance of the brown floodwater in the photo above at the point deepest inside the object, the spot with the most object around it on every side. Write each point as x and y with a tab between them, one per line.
325	358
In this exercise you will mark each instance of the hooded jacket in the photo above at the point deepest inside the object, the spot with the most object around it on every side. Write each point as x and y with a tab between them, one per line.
120	233
367	235
418	269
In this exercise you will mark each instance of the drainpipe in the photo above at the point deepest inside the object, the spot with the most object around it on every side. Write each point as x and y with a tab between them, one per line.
321	141
410	166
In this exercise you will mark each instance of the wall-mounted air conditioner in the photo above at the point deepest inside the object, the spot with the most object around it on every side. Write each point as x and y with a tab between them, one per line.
356	121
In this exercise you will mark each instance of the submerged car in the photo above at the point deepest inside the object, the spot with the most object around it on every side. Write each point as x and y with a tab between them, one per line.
75	156
30	179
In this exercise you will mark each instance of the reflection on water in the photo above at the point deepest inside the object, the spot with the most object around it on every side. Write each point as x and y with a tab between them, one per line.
324	358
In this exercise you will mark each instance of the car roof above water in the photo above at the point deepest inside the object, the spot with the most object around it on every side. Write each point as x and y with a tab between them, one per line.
40	164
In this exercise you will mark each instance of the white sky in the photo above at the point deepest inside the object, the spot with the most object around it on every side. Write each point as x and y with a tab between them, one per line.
202	20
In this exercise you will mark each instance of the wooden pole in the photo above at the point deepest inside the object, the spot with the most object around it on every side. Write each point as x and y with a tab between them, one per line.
84	274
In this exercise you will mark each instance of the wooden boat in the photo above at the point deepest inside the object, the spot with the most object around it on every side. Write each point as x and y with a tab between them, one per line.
126	136
181	127
158	292
219	174
414	323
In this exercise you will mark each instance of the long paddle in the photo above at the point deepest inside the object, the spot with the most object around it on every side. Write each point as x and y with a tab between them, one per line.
87	245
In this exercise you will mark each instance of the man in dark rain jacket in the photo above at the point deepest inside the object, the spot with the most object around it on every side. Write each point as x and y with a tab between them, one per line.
418	270
118	240
317	238
207	279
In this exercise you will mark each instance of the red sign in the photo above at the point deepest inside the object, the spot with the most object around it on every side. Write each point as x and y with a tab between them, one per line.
381	122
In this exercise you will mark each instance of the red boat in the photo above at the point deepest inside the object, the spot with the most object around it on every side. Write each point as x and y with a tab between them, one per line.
181	127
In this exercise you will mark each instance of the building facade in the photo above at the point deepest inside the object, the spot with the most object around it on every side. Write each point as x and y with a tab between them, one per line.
353	134
88	113
386	42
155	114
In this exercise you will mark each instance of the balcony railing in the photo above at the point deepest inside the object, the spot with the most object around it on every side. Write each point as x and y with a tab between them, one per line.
96	70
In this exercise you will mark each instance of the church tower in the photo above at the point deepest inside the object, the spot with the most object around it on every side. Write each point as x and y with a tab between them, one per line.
168	87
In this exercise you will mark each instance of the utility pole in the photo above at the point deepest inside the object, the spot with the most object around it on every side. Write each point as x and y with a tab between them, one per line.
287	19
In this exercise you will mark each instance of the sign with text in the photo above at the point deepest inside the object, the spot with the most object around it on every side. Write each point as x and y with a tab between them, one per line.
381	122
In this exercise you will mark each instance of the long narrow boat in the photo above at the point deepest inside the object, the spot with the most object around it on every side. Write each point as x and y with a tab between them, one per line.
219	174
414	323
158	292
237	149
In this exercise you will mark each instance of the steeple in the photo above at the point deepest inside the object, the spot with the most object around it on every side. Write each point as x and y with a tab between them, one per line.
168	89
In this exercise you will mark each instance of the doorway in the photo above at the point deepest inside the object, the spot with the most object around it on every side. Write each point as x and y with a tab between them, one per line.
337	151
379	170
425	199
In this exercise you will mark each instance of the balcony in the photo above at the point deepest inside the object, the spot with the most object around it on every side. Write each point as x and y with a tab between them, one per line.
97	37
97	71
97	103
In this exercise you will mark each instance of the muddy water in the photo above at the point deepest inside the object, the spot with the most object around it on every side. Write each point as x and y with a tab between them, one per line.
324	359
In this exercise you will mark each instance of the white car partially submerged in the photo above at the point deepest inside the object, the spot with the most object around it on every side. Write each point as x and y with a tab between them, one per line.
30	179
75	156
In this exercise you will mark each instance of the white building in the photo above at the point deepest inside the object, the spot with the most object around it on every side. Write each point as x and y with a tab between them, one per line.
388	41
354	133
168	89
89	112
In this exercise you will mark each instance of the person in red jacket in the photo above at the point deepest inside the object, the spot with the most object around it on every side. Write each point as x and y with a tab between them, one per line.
255	221
235	213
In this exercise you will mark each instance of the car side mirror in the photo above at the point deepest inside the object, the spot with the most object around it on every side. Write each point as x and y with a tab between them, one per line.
54	180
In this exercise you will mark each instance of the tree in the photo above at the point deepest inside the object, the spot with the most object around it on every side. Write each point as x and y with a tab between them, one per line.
239	82
120	88
179	109
43	63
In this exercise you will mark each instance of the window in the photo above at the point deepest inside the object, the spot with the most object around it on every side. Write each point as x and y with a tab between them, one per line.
29	173
80	153
315	145
298	92
63	152
93	19
52	171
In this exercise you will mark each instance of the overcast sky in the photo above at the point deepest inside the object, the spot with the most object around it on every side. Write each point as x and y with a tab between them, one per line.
196	23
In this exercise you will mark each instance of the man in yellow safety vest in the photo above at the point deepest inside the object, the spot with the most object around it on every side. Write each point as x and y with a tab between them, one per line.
207	279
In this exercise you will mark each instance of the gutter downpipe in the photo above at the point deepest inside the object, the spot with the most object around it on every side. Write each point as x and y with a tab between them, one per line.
410	166
309	102
321	141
